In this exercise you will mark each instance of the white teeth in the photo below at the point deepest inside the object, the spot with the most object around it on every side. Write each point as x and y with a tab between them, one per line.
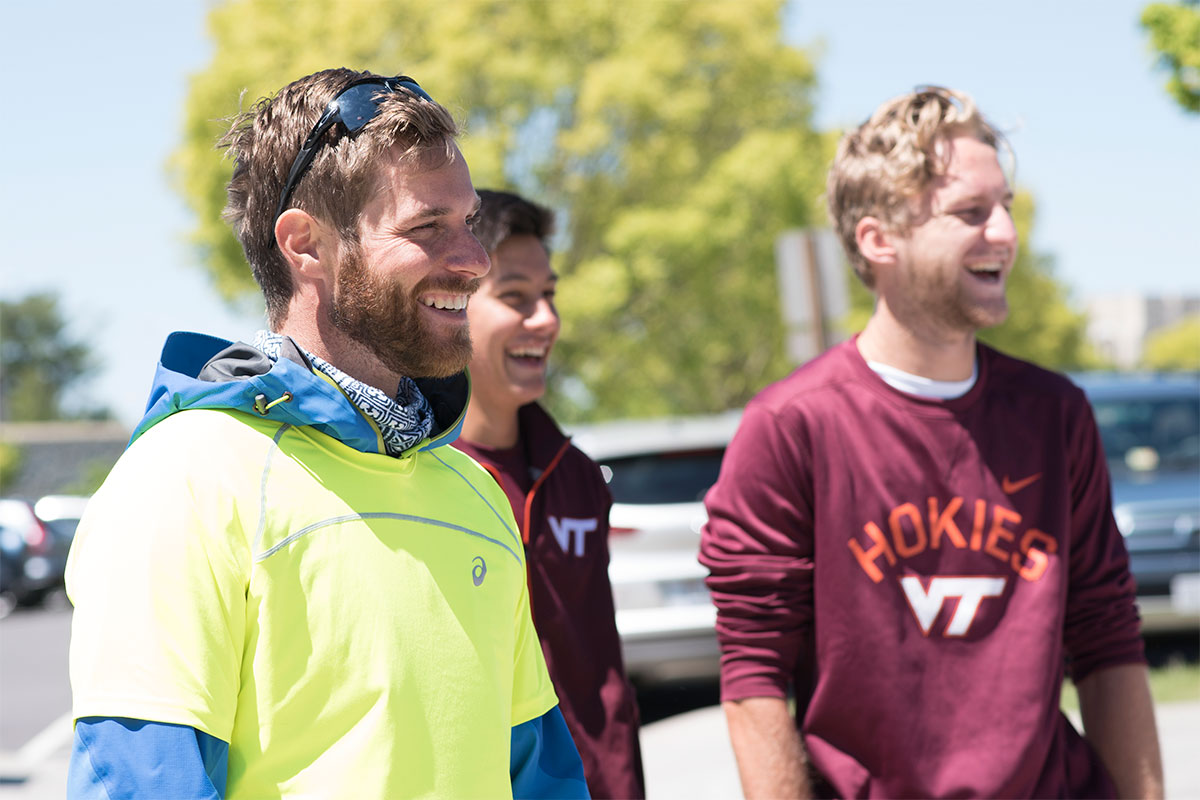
528	352
992	267
455	303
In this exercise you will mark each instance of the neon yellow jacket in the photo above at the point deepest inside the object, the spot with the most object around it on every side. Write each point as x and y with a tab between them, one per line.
352	624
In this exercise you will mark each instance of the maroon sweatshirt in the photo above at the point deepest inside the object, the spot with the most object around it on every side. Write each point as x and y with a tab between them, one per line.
561	504
919	571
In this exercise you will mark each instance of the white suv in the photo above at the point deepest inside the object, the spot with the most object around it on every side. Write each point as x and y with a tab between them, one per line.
658	472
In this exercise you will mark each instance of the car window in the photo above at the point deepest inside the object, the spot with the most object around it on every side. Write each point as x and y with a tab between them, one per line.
1150	434
666	477
16	517
62	528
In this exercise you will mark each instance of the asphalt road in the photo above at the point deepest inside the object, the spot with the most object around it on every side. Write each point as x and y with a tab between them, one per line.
684	742
34	686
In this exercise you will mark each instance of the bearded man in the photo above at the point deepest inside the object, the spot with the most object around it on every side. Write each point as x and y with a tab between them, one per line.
289	585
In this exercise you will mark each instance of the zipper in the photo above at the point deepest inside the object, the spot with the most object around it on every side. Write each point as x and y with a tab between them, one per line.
537	485
429	444
382	450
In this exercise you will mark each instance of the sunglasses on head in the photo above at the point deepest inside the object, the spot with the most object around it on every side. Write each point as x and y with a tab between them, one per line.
354	107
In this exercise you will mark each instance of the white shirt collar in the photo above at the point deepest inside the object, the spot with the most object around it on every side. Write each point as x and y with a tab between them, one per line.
924	387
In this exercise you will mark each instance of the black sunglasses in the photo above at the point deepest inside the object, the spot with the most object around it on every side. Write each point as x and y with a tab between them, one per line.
354	107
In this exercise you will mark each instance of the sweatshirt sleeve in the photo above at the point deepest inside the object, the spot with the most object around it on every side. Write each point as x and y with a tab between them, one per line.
114	758
1101	627
758	548
158	574
543	760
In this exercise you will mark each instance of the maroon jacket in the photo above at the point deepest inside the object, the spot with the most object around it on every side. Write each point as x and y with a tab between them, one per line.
920	571
561	505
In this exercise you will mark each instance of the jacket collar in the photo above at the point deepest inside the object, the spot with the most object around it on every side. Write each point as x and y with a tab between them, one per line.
200	371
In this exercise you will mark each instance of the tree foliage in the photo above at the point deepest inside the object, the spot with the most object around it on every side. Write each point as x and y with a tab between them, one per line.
1175	35
41	363
11	461
1042	326
673	138
1175	347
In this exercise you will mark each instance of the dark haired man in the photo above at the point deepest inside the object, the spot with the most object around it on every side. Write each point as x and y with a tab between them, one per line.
557	493
289	585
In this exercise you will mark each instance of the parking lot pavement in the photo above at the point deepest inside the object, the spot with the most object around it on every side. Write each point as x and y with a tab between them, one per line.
1179	737
38	771
688	756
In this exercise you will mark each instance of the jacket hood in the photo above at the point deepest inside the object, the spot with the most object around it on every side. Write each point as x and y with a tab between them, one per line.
201	371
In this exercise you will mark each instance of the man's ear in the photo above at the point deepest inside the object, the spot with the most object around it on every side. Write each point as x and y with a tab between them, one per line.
306	244
875	242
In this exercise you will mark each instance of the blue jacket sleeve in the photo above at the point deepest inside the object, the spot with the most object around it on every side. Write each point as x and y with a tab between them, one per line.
114	758
544	762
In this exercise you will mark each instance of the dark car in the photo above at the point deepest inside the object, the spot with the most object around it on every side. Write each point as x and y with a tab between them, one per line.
23	537
1150	428
35	539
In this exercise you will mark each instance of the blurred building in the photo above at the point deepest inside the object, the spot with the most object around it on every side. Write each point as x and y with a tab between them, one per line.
60	457
1119	324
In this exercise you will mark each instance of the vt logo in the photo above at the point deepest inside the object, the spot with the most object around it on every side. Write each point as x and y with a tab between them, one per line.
970	592
568	527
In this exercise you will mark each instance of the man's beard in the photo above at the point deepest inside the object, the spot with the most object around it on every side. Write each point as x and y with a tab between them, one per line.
935	299
386	319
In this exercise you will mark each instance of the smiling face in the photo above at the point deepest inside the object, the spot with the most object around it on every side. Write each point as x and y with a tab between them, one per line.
514	326
402	291
952	263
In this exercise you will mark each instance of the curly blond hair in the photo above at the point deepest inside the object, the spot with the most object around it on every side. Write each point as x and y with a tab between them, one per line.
893	157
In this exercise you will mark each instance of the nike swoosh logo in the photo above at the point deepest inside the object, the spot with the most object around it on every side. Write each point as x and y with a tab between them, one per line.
1012	487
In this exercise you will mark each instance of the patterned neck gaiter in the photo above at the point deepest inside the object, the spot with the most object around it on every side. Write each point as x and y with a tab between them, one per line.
403	420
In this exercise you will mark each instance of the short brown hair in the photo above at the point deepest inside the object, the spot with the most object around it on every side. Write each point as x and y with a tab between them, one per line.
505	214
893	157
265	140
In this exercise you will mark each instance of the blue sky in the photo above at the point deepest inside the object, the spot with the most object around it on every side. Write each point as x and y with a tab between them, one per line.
96	92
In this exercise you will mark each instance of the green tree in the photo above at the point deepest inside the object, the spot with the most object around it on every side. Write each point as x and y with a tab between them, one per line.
674	138
1175	35
1041	326
41	364
1175	347
11	459
90	476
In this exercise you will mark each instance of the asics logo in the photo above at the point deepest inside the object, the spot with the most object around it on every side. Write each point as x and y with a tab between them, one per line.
479	570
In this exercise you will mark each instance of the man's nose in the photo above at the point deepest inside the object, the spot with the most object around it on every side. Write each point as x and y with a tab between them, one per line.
544	318
469	258
1000	227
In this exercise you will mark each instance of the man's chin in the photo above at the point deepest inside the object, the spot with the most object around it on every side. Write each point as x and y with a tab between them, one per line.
442	372
990	317
430	361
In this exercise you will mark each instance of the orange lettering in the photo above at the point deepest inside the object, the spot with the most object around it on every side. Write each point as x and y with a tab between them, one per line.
977	530
902	547
1040	559
866	559
944	522
1000	515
